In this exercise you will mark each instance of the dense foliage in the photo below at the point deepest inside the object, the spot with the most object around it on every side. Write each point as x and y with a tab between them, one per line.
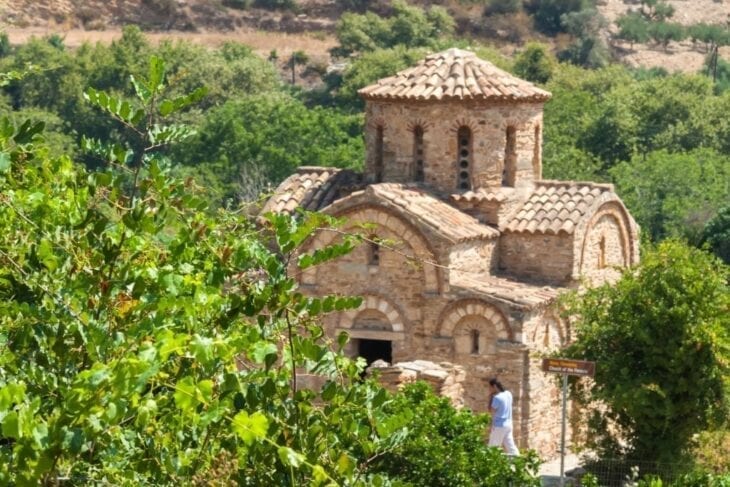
246	144
145	340
446	447
661	335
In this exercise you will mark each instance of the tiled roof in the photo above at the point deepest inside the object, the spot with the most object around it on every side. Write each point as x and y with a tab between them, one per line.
454	74
440	217
310	188
478	196
556	206
507	291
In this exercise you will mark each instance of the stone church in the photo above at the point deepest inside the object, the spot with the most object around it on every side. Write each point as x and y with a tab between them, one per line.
468	246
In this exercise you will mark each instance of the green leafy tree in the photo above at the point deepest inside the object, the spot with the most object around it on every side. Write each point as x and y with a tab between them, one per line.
535	63
656	10
148	341
502	7
370	67
409	26
716	234
665	32
709	34
5	46
660	339
588	48
268	136
548	13
446	448
298	58
674	194
633	27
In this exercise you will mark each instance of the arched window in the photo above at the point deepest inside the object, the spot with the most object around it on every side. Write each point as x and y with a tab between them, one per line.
418	155
475	342
373	252
379	154
536	153
510	158
602	252
464	158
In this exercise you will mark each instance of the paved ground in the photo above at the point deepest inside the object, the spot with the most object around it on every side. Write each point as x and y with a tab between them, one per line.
550	471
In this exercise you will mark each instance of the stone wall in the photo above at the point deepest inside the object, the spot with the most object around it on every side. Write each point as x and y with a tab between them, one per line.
446	379
440	122
610	243
537	257
475	256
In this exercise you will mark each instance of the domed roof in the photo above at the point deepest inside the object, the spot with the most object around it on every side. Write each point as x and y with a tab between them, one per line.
454	74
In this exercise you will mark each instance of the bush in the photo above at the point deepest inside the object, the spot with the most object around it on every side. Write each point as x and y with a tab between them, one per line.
501	7
669	319
238	4
5	46
665	32
446	447
276	4
633	27
408	26
535	63
548	13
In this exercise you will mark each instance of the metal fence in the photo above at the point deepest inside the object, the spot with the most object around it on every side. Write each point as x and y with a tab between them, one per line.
618	473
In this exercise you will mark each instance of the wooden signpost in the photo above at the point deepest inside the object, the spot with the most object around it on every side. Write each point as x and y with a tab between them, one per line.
566	367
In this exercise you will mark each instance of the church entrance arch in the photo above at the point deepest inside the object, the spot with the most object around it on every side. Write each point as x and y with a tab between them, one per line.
372	350
375	329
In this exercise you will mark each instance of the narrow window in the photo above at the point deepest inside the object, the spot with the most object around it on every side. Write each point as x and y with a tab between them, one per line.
418	154
602	253
464	158
536	153
373	252
475	341
379	155
510	158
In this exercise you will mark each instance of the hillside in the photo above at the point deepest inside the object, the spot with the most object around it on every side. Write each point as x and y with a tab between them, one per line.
311	26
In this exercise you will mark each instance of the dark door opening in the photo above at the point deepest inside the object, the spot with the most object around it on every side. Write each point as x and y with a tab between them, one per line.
372	350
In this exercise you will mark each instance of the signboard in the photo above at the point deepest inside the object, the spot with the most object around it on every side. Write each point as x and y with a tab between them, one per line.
568	367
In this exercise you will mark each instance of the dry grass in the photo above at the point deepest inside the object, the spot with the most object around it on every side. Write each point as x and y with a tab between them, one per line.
314	44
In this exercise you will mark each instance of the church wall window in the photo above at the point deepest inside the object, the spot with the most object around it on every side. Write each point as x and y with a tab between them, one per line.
510	157
418	154
464	145
379	136
373	252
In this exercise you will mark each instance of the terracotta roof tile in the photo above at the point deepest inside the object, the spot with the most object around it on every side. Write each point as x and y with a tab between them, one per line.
442	218
454	74
509	291
311	188
556	206
478	196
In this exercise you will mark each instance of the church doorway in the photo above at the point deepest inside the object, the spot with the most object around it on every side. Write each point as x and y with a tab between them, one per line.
372	350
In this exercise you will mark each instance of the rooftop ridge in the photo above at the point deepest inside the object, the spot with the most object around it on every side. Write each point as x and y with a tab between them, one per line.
558	182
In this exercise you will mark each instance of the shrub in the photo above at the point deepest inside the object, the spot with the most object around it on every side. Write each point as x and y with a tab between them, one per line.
535	63
446	447
501	7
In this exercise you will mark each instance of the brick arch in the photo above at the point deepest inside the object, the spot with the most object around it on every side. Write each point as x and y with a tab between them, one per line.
464	122
389	309
419	122
376	122
393	222
455	313
617	212
551	321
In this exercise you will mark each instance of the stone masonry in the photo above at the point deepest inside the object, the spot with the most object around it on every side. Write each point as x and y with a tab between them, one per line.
469	247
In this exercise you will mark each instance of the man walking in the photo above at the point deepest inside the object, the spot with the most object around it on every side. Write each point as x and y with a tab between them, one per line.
500	405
